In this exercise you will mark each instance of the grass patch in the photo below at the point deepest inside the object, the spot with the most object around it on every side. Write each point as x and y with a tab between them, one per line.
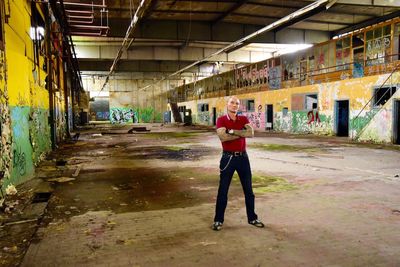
265	183
285	148
169	135
173	148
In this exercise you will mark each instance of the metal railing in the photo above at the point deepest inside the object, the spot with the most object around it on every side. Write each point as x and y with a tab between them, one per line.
369	118
232	85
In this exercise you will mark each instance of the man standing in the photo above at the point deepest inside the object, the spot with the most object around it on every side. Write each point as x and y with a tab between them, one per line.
232	130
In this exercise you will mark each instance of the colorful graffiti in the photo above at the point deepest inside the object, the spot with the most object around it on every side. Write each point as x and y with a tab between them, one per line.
39	133
359	123
5	124
121	115
283	121
257	119
102	115
275	77
22	150
146	114
313	117
124	115
203	117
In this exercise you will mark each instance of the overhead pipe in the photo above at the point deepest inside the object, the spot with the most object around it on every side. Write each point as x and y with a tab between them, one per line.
241	41
89	33
83	4
81	17
89	27
79	22
78	11
125	45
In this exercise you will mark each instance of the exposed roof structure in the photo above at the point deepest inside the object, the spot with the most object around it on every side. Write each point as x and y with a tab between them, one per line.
208	25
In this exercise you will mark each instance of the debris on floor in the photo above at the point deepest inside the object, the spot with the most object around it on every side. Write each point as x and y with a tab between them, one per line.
61	162
138	129
11	190
61	179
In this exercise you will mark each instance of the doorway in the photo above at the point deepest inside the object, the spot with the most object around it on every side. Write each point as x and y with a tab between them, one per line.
396	122
214	120
269	117
342	118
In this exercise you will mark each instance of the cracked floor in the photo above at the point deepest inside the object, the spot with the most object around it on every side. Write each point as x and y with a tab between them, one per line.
147	198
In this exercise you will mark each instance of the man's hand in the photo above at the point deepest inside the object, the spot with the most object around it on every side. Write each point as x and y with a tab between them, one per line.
247	132
224	136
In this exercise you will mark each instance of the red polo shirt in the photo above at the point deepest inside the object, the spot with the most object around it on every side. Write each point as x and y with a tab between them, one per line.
238	124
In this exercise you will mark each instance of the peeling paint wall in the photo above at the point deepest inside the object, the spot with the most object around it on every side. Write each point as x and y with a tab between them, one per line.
293	114
24	99
5	121
28	99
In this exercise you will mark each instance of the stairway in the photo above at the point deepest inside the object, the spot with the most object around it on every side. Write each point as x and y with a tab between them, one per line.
366	121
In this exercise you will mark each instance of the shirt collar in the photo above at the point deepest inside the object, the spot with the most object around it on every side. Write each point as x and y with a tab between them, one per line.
229	118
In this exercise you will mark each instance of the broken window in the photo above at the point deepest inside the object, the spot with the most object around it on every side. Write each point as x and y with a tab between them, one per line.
343	54
378	45
311	102
285	112
250	106
383	94
247	105
202	107
37	34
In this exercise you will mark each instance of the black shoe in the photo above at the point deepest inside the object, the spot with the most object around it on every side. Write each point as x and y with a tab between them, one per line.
257	223
217	226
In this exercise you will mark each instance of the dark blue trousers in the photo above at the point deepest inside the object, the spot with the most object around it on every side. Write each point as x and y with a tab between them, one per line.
228	165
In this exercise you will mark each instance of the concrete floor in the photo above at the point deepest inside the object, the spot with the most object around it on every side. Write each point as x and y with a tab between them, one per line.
147	199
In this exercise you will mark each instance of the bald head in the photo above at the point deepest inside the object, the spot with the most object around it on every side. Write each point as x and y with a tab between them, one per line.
233	98
233	104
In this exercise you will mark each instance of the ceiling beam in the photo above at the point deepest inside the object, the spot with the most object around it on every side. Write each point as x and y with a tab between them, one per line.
368	23
276	18
372	3
230	10
295	7
303	16
188	11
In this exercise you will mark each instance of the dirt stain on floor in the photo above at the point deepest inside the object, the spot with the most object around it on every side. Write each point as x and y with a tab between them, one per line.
285	148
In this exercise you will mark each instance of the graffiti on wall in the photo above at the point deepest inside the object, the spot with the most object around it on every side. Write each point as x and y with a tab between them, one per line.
359	123
124	115
39	133
146	114
6	134
121	115
313	117
308	121
99	110
275	77
22	163
203	117
19	161
257	119
252	73
283	121
102	115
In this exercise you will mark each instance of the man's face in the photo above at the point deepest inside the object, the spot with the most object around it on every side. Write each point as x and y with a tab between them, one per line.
233	105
